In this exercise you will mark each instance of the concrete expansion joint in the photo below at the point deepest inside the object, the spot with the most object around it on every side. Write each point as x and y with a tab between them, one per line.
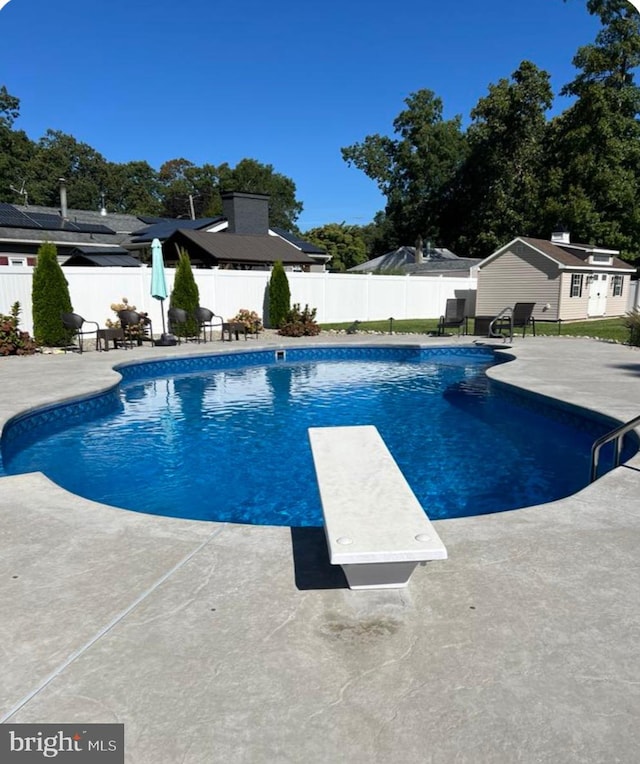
107	628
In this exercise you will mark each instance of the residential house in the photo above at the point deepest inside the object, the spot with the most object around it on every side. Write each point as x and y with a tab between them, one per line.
416	261
566	281
240	239
82	237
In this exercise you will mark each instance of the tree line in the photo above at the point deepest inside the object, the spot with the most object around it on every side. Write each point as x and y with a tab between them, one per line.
30	170
512	172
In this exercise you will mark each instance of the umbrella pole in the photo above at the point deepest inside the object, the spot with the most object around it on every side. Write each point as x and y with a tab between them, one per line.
164	331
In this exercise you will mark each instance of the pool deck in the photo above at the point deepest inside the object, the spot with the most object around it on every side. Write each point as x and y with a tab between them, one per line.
228	643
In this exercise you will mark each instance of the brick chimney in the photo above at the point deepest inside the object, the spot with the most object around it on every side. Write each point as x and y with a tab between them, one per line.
246	213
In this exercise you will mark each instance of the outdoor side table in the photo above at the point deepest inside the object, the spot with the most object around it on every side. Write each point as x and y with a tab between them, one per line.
110	334
232	328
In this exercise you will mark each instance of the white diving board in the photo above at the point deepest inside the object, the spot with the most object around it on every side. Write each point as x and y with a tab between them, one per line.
375	527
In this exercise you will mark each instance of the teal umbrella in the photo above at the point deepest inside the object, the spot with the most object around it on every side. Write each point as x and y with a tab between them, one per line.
158	282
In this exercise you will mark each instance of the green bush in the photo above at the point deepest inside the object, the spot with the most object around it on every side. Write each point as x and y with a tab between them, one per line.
12	340
185	295
632	322
279	296
50	299
299	323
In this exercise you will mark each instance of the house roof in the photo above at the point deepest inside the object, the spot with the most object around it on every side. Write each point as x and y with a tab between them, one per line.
163	228
117	222
26	228
305	246
210	249
404	258
566	255
102	256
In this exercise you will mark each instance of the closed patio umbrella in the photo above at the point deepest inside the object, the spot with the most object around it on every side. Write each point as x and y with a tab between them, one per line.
159	286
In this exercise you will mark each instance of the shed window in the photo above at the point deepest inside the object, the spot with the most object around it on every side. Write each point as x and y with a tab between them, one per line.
616	284
576	284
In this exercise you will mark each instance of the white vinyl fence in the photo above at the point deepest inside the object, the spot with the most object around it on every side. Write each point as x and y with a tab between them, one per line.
337	297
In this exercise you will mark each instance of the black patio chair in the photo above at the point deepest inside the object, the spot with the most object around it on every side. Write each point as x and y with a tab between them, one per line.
523	316
135	328
74	322
454	316
178	323
205	319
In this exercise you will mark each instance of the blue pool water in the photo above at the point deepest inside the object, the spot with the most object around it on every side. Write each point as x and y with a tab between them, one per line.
225	438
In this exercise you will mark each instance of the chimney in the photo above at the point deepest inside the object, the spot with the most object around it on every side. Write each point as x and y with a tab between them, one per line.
63	199
560	235
246	213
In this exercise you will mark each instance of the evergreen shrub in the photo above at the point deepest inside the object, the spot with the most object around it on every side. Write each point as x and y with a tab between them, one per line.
279	296
185	295
50	299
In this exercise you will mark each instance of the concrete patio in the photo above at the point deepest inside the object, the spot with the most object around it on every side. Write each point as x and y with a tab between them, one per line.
227	643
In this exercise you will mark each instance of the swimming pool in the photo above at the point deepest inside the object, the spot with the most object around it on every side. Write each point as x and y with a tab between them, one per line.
224	437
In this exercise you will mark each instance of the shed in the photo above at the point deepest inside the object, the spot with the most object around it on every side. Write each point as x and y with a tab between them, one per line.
566	281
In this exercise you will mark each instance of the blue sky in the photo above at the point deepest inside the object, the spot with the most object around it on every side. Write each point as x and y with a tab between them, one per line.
286	83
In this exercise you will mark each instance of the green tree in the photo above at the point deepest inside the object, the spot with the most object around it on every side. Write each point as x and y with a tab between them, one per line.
414	171
9	108
185	295
250	176
16	150
497	192
50	298
58	155
132	188
343	242
279	296
593	155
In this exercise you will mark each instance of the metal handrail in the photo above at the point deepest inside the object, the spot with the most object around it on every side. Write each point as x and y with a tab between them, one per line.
508	311
616	434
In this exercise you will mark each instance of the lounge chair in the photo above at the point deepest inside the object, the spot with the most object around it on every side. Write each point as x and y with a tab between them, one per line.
454	316
205	319
523	317
74	322
513	318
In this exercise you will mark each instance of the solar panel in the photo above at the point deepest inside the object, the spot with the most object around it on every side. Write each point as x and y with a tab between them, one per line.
11	217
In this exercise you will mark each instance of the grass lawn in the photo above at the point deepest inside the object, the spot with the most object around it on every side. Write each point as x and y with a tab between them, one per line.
606	329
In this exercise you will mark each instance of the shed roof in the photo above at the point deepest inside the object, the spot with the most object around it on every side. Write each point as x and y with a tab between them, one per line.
567	256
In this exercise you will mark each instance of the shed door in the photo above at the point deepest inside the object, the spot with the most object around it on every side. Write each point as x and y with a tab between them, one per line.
597	305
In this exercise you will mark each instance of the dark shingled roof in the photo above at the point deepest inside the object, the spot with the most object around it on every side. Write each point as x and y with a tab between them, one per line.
210	249
102	256
305	246
163	229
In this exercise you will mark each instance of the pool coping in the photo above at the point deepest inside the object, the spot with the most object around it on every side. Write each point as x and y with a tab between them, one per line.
520	645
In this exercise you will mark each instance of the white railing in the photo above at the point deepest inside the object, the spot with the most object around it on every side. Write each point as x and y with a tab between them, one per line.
337	297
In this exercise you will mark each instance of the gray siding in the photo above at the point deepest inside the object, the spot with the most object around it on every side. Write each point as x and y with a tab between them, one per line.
573	308
576	308
520	274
